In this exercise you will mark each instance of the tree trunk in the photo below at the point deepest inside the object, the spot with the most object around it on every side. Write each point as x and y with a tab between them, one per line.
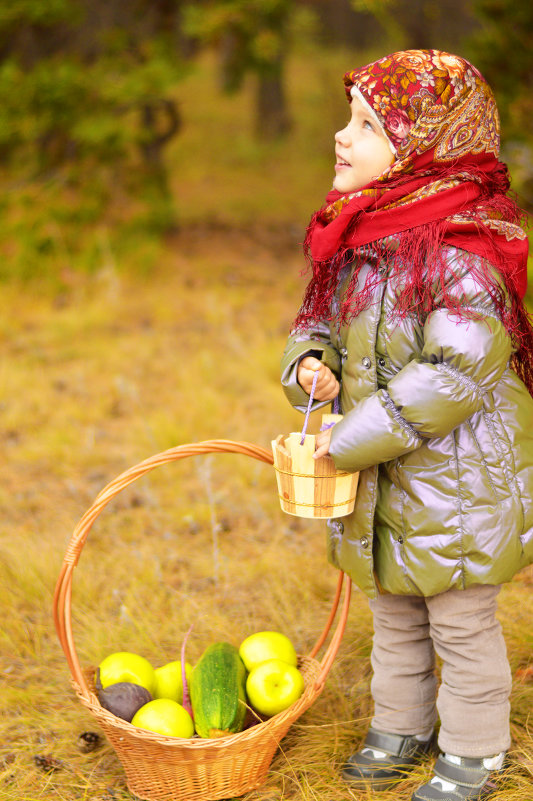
232	60
272	116
161	121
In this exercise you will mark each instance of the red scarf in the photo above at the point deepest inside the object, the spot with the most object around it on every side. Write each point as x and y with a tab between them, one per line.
446	187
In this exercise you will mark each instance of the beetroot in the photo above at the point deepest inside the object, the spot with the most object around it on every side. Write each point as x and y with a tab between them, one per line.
124	698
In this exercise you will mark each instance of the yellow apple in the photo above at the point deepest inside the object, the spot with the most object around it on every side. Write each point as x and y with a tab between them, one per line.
265	645
164	716
273	686
168	683
125	666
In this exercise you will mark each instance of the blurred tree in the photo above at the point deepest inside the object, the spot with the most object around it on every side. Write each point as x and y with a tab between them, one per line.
502	51
339	23
383	12
251	36
91	81
421	24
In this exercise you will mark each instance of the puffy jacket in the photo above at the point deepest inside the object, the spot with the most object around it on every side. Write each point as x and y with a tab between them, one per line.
441	430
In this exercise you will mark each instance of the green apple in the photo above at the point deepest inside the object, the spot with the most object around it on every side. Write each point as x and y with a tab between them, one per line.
124	666
164	716
168	683
265	645
273	686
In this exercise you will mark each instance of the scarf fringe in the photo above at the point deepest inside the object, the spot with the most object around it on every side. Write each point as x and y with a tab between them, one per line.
428	280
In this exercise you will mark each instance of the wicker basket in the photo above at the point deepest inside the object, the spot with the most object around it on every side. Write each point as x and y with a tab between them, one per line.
162	768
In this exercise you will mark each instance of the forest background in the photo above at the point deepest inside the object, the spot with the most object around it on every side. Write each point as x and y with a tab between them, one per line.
159	162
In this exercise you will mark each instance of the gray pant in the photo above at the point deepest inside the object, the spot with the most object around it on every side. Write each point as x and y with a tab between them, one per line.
473	698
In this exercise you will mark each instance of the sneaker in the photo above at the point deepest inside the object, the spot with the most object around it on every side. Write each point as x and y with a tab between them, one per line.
384	759
458	778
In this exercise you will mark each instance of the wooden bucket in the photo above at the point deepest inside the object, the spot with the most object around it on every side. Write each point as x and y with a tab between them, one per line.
310	487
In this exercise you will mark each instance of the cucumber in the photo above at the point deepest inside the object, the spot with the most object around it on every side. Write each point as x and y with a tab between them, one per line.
218	691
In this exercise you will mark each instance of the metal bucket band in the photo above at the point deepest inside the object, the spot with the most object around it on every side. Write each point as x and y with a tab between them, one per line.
311	475
316	505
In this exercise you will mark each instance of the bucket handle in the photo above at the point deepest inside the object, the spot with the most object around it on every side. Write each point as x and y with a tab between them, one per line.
335	408
62	602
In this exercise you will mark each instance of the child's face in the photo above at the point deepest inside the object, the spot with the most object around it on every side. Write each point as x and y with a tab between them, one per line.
363	151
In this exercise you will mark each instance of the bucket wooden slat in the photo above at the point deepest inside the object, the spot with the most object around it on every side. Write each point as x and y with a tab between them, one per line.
284	475
326	488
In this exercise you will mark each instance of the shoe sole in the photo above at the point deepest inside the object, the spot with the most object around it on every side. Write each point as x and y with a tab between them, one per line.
360	783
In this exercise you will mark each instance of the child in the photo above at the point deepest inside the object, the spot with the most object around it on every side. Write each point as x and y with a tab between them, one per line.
414	317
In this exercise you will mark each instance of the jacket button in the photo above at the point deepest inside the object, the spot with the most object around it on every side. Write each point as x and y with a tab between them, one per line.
381	361
339	526
400	540
364	542
366	362
344	352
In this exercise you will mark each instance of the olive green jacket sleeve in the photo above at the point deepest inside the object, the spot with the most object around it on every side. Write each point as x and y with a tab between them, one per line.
316	342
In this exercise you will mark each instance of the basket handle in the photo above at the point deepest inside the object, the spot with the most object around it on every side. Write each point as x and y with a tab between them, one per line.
63	590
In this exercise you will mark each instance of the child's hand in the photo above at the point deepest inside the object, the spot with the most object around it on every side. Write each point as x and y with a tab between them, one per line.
327	386
322	441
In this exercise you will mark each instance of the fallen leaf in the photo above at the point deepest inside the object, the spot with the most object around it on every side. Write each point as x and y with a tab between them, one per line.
8	759
47	762
524	674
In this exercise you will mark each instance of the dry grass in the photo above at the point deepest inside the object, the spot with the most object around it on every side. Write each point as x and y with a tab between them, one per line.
93	381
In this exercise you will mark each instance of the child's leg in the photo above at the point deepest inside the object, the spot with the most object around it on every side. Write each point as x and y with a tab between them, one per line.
403	660
403	688
473	700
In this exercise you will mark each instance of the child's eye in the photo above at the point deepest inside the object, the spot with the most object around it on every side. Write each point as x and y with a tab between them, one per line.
368	124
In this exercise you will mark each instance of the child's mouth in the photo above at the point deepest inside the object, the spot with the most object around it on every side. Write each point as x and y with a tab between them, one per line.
341	164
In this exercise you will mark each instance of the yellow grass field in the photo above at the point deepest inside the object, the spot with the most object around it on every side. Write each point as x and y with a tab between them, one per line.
93	380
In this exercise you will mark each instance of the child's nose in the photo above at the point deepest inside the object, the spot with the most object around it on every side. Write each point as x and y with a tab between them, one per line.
342	136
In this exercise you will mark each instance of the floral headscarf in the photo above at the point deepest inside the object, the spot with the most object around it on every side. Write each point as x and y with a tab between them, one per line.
433	91
446	186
